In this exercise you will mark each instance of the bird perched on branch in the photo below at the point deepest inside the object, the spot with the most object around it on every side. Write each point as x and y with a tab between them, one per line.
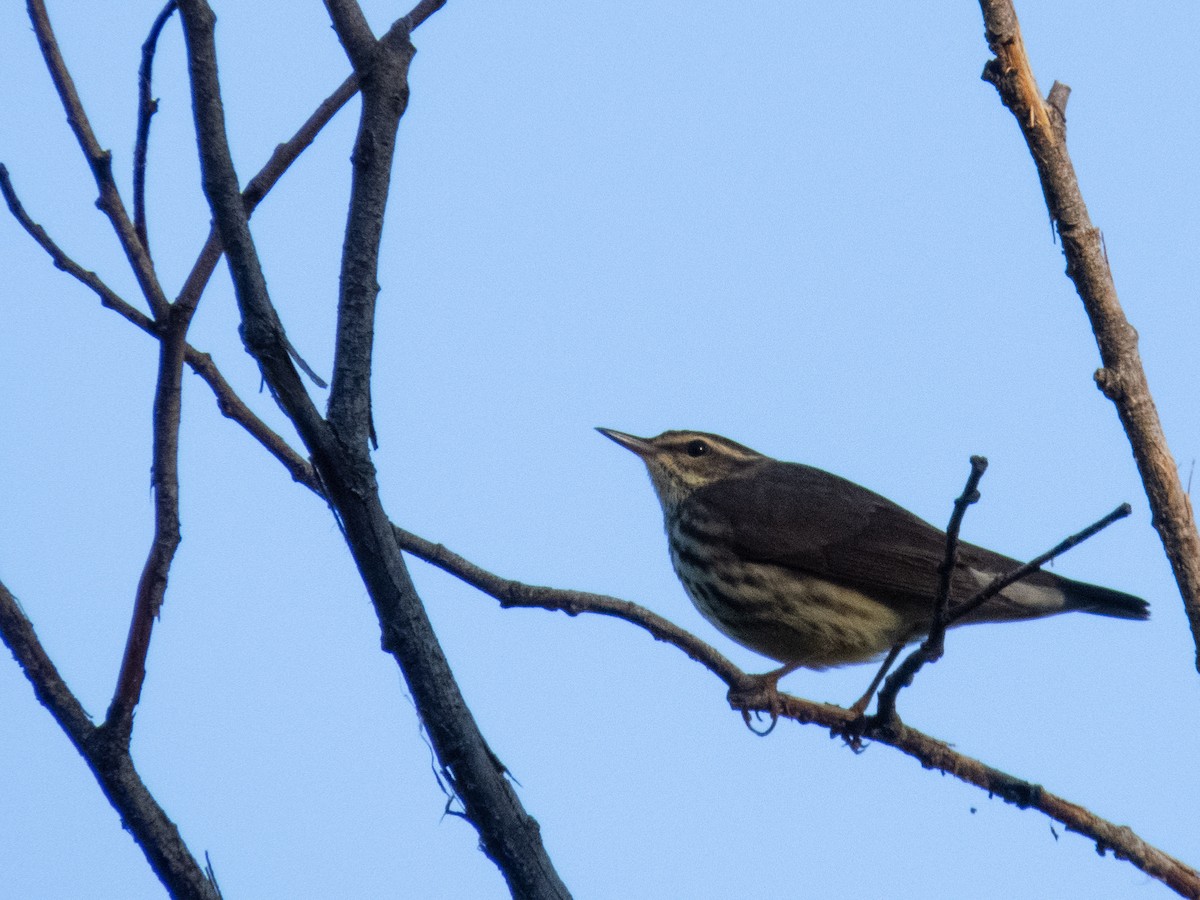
815	571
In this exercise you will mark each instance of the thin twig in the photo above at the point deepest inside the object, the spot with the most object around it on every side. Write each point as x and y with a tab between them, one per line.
932	647
970	494
1122	378
108	297
147	107
929	751
1000	582
98	159
912	664
230	404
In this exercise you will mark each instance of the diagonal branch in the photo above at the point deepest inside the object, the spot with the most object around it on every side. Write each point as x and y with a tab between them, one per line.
1122	378
508	834
753	696
108	297
99	159
931	648
288	152
109	761
231	405
1000	582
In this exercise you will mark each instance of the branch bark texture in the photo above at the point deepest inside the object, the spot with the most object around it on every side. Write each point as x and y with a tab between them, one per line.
1122	377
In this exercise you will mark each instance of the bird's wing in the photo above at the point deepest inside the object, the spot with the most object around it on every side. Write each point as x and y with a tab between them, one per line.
803	518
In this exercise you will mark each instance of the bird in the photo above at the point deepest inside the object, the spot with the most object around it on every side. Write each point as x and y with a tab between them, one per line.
814	571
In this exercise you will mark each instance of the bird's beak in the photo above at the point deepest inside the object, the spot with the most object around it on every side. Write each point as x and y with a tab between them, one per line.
640	446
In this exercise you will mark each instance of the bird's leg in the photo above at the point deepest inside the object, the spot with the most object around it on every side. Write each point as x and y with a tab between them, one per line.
748	691
861	704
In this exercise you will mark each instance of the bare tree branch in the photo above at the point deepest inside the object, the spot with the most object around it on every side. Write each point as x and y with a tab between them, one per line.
99	159
382	71
230	404
1122	378
970	494
147	107
108	297
753	696
931	648
109	760
152	586
289	151
509	835
417	15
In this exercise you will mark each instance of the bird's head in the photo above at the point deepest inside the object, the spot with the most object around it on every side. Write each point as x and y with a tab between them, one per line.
681	462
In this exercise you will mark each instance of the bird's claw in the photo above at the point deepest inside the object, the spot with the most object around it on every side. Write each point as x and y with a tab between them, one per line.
754	692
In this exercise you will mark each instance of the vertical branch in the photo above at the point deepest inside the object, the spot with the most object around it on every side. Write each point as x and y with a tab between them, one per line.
970	494
509	836
147	107
1122	378
152	585
289	151
382	71
933	646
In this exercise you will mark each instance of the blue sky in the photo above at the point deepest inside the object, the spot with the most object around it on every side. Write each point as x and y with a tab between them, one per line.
811	228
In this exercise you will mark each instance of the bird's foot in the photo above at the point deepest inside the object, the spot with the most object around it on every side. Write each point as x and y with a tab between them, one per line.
759	694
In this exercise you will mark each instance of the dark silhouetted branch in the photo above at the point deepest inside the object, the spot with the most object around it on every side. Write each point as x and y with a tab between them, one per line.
930	649
508	834
152	586
99	160
147	107
109	761
382	70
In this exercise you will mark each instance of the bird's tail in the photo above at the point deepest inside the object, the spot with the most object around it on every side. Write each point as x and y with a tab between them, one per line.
1102	601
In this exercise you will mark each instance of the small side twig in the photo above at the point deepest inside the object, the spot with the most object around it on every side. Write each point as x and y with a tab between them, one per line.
420	13
907	670
933	646
147	107
99	160
108	297
970	494
934	643
999	583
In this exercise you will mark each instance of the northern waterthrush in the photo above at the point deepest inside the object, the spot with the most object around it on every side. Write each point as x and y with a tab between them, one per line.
815	571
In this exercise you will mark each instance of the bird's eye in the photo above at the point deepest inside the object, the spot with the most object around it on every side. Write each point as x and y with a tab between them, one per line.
696	448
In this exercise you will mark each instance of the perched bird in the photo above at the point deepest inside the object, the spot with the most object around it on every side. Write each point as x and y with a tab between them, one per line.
815	571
